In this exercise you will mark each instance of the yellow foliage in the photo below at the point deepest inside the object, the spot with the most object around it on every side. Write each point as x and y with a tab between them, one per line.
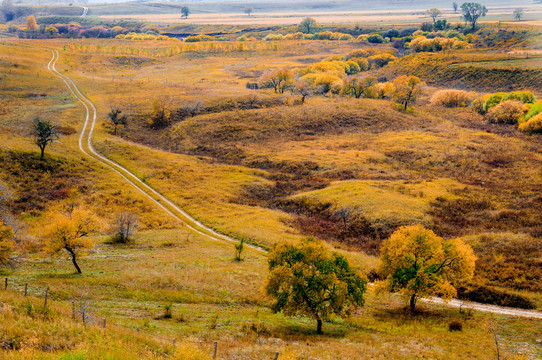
533	125
7	245
417	262
31	24
452	98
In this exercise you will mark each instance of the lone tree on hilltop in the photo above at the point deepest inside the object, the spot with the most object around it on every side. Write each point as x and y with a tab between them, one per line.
248	10
307	280
307	26
433	13
416	262
472	12
44	133
518	14
185	11
117	119
69	232
455	6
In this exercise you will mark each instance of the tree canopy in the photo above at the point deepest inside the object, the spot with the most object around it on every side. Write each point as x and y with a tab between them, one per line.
185	11
69	232
472	12
308	280
307	26
417	262
44	133
433	13
406	89
31	24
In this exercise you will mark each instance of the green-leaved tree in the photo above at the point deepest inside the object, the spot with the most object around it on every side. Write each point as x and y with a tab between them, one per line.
308	280
472	12
44	133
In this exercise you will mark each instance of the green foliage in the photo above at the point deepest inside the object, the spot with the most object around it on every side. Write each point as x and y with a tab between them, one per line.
308	26
418	263
376	39
472	12
239	249
495	99
185	11
535	109
308	280
45	133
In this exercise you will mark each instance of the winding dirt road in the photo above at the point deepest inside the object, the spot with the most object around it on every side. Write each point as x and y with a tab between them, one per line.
85	145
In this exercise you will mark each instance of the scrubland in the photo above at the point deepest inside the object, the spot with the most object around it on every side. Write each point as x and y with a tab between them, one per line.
263	166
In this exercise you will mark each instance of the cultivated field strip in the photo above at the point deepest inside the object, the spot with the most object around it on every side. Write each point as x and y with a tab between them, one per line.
85	145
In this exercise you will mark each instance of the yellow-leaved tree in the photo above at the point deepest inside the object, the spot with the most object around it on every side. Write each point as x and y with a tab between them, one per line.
31	24
407	89
7	244
69	232
417	262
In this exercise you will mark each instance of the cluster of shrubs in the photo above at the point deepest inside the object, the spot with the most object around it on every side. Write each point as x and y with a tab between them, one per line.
324	35
142	36
516	107
71	30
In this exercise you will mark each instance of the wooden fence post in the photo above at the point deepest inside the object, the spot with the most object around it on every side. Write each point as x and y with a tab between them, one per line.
6	287
137	329
104	322
25	289
73	309
46	294
215	349
276	356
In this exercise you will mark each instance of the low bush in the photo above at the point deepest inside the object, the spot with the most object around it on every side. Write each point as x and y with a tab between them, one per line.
506	112
495	99
455	326
478	104
489	295
535	109
533	125
452	98
375	39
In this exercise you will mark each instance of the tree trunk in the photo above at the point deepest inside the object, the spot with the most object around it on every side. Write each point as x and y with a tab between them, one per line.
42	153
74	261
319	326
413	302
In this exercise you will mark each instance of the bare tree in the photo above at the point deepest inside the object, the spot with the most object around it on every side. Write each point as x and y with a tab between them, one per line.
44	133
117	119
124	226
304	88
81	308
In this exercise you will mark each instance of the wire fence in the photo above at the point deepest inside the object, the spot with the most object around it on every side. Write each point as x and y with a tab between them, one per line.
82	310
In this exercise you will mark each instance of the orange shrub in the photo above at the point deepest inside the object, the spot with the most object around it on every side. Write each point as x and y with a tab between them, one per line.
506	112
452	98
533	125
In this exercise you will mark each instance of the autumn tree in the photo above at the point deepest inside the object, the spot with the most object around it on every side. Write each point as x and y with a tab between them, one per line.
357	86
406	89
31	24
45	133
69	232
307	26
161	115
304	88
248	10
472	12
117	119
185	11
307	280
518	14
417	262
279	79
433	13
7	244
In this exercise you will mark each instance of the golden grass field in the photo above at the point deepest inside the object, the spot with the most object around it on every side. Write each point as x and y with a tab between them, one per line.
402	162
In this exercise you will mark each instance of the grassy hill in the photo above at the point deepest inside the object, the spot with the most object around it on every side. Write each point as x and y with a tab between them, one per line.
277	170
